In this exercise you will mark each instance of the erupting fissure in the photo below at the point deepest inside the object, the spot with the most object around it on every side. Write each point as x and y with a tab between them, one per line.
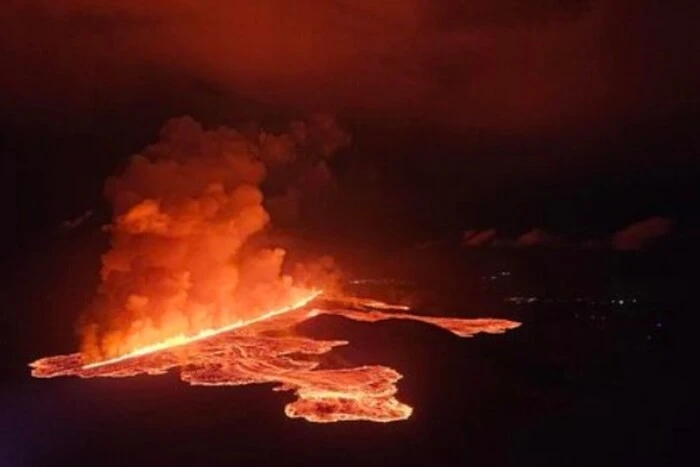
256	352
181	340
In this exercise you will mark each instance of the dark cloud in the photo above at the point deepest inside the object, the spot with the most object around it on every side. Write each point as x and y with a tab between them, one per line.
492	64
635	236
477	238
534	237
638	235
537	237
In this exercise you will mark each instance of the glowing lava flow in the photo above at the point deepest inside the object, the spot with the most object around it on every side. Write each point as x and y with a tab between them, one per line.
177	341
258	352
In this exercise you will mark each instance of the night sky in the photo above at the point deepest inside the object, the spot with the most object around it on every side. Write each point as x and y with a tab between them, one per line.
567	115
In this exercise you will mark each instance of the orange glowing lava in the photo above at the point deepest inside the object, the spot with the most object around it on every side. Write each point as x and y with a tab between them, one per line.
255	351
180	340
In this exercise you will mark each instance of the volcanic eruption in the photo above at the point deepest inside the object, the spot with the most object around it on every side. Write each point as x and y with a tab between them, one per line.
185	286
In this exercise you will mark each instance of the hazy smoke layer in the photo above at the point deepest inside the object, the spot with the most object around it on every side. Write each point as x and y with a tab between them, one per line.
183	209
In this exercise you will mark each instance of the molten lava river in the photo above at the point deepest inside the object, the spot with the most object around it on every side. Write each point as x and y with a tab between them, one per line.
256	352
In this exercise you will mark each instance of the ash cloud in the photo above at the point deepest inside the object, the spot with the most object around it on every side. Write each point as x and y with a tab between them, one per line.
493	64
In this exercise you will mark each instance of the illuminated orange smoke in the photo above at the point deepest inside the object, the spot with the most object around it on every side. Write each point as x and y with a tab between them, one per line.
186	211
253	354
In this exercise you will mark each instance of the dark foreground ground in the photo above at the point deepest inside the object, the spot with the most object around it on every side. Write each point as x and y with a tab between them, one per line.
577	384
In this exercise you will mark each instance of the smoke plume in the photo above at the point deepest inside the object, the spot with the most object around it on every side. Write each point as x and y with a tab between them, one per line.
183	210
